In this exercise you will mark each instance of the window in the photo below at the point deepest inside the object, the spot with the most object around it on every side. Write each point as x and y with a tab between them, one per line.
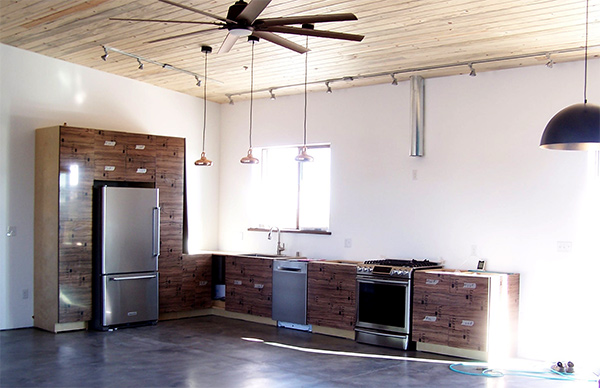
292	195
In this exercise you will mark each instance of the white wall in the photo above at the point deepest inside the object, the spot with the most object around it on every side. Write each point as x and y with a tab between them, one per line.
484	189
37	91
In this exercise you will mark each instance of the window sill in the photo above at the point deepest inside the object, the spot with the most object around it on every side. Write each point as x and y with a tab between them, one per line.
299	231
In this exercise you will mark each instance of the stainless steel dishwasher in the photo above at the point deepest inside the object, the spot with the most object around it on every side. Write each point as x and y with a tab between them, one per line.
290	294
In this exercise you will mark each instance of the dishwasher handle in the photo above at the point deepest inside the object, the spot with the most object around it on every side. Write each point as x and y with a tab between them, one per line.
288	269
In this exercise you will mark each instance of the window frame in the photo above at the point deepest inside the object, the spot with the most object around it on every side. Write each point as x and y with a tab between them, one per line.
297	229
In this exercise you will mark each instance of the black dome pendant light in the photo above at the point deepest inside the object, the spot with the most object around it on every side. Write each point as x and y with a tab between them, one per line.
303	156
250	159
576	127
204	161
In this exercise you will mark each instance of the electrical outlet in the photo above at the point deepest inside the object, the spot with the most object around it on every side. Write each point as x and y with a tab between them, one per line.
474	250
348	243
564	246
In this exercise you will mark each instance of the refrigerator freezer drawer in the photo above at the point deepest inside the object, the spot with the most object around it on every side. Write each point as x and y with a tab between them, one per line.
129	298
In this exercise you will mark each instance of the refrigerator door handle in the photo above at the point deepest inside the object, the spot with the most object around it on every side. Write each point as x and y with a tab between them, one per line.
120	278
156	231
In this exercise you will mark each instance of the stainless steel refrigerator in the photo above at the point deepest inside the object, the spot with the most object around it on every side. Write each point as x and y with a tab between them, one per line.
128	228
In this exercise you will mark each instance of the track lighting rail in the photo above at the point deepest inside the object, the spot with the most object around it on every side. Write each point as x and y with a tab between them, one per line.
394	73
141	60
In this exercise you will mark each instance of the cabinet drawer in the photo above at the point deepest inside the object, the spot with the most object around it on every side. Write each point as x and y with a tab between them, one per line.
469	285
140	168
139	145
431	283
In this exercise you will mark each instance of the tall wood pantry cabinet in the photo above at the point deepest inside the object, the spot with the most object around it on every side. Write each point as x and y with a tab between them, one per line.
68	161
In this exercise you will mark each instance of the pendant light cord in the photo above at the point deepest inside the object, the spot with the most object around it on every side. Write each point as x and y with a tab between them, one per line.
251	91
585	64
305	88
205	81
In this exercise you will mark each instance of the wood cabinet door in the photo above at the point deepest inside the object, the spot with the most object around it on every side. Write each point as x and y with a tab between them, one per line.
110	156
76	175
249	285
140	162
331	295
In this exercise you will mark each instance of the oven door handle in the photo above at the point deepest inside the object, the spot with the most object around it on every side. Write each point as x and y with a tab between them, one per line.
376	281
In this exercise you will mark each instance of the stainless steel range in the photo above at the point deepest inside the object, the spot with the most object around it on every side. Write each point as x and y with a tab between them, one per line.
384	300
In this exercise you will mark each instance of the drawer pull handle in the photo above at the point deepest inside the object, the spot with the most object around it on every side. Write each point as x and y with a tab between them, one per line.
141	171
110	143
140	147
109	168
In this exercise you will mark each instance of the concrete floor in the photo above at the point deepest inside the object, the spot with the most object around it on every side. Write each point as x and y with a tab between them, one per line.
209	352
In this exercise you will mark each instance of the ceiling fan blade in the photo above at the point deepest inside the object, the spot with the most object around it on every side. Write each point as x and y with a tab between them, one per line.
227	44
318	33
182	35
280	41
252	10
335	17
210	15
166	21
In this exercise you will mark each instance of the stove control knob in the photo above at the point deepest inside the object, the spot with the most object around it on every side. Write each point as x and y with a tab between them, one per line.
359	269
370	269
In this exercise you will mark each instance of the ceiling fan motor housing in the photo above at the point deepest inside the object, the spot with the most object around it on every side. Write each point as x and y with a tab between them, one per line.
235	10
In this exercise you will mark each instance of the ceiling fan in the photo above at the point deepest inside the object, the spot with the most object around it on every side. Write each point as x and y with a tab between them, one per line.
242	20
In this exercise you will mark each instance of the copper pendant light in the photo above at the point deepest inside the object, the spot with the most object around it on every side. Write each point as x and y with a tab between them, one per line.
250	159
576	127
204	161
303	156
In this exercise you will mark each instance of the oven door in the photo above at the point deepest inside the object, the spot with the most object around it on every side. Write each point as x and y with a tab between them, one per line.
383	304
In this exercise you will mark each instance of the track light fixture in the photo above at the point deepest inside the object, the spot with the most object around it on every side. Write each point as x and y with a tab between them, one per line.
272	94
550	62
141	65
473	73
576	127
105	54
328	87
230	99
249	158
394	80
198	81
204	161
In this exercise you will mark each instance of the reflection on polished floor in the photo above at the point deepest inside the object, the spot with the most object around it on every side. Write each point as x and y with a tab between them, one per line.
209	352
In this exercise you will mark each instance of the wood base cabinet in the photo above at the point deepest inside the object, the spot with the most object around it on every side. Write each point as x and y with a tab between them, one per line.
331	295
249	285
466	314
68	160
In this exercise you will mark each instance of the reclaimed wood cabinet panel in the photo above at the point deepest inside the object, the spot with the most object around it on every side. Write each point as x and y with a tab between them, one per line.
249	285
331	295
68	160
176	287
464	313
64	174
123	156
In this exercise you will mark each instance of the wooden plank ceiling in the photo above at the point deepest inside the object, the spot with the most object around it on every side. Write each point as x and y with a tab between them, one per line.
400	36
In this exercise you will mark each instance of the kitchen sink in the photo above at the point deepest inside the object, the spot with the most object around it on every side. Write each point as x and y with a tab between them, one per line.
262	255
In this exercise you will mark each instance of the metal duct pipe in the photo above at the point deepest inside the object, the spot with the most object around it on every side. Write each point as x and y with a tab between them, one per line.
417	102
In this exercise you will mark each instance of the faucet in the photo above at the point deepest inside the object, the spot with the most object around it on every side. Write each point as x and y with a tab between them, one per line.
280	246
